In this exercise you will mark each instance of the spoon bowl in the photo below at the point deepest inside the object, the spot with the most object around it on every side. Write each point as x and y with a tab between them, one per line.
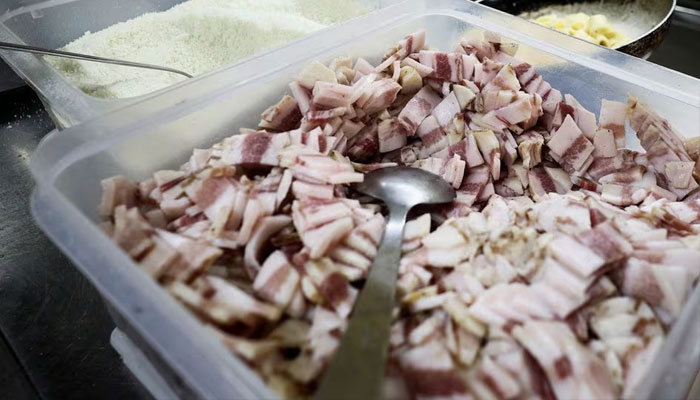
405	186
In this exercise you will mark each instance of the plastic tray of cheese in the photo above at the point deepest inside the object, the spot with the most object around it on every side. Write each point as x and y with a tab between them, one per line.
521	287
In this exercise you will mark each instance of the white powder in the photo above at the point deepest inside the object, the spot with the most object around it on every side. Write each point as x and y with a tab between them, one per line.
196	36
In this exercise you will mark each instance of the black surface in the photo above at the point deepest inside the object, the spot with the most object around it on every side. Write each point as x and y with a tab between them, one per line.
8	78
55	324
681	48
54	330
13	377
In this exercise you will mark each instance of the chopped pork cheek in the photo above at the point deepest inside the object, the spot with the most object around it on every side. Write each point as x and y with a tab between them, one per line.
556	272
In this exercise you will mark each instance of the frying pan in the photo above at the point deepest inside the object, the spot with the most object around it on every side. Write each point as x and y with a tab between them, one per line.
644	21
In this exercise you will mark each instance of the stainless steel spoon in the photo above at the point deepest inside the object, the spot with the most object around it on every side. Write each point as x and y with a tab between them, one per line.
357	370
85	57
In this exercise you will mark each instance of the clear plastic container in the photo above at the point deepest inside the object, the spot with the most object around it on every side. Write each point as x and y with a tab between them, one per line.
160	133
55	23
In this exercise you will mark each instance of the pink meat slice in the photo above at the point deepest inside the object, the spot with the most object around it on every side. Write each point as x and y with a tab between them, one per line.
466	149
612	117
283	116
418	108
570	145
267	227
572	370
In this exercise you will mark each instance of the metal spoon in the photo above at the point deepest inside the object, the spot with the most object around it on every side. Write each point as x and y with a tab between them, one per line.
357	370
86	57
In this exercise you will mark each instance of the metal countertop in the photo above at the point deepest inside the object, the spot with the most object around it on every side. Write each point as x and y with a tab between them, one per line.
54	329
54	326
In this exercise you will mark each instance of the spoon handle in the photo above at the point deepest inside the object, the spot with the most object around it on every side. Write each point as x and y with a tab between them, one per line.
85	57
357	370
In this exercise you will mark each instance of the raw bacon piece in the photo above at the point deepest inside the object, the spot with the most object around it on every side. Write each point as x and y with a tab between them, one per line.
131	231
631	331
418	108
452	170
490	150
391	135
429	372
363	67
541	182
472	186
662	286
423	70
466	149
331	95
222	302
623	195
504	80
302	96
606	241
465	95
680	173
559	214
584	118
321	224
316	72
260	148
365	144
485	71
319	191
624	159
578	258
444	247
199	160
116	191
612	118
516	112
407	46
277	280
632	175
661	142
195	256
494	99
530	148
562	111
215	197
267	227
432	135
358	249
506	304
572	370
283	116
445	66
332	286
604	143
382	93
570	146
414	231
320	116
322	169
446	110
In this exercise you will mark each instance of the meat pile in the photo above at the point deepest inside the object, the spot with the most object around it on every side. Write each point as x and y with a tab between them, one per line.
556	273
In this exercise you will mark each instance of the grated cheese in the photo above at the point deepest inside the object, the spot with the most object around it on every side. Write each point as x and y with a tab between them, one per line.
196	36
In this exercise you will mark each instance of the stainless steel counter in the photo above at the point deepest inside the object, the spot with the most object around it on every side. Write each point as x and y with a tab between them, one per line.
54	329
